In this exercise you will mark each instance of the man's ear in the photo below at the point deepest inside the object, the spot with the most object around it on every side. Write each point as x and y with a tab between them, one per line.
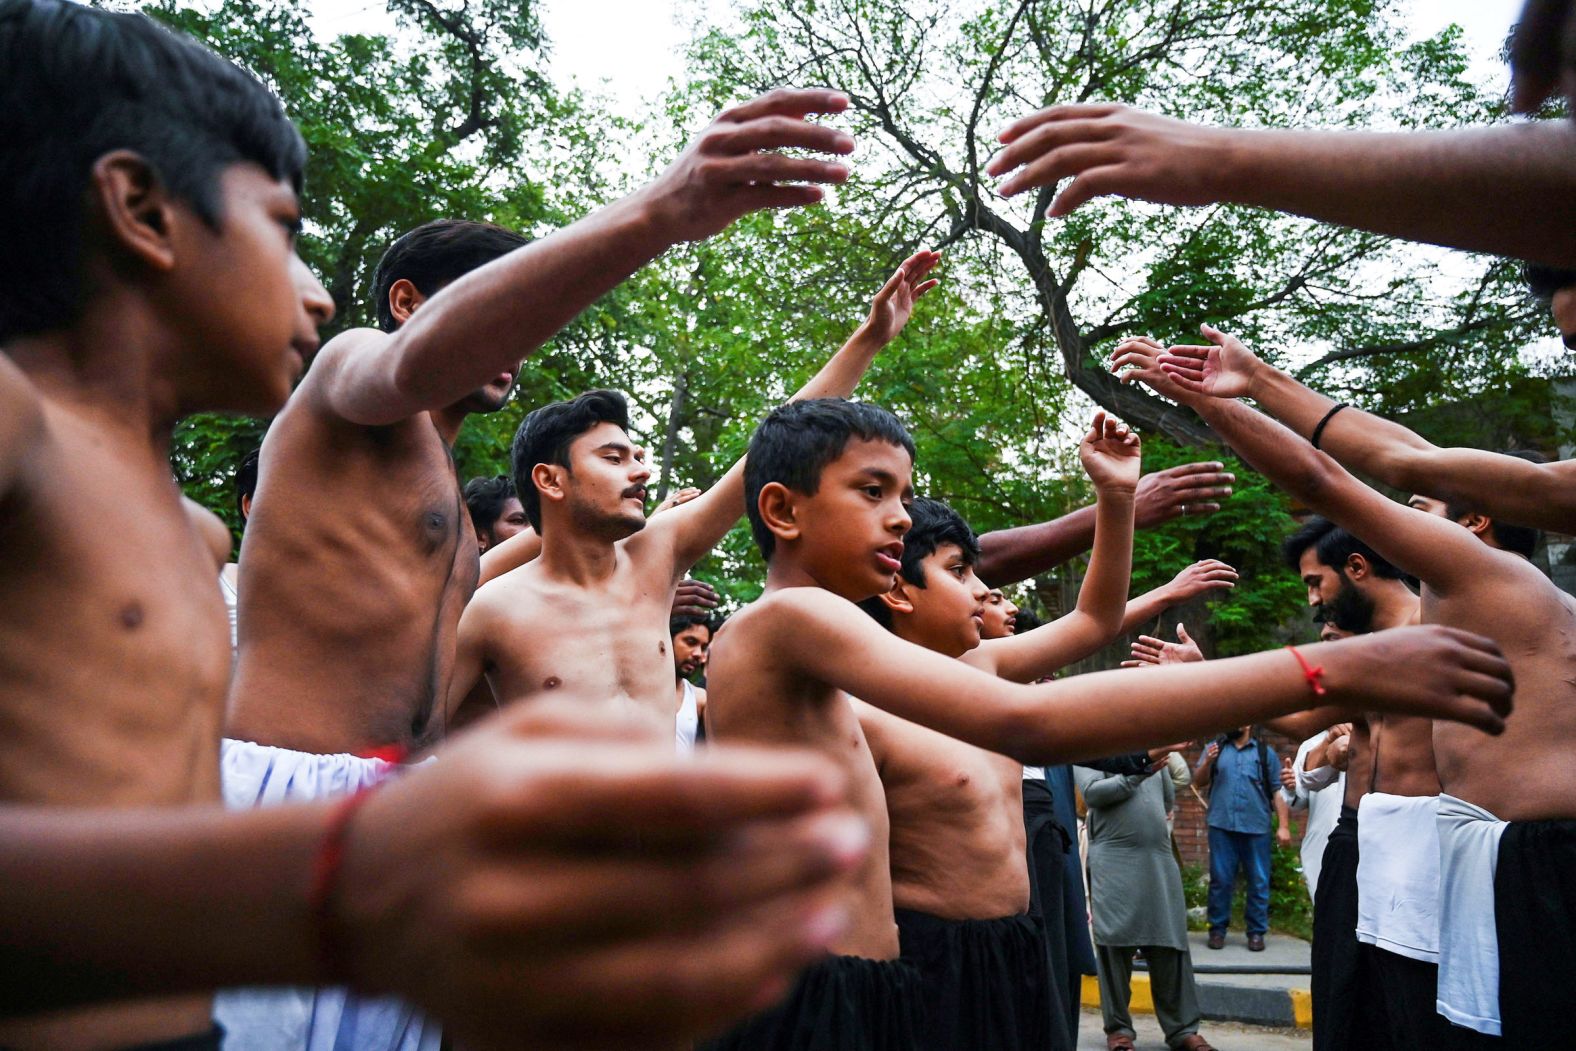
1480	525
549	481
136	212
404	298
776	506
899	598
1357	567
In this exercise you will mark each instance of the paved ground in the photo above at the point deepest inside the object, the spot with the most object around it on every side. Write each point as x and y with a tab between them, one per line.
1226	1036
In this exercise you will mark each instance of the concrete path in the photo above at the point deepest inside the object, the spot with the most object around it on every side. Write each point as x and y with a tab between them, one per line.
1277	999
1225	1036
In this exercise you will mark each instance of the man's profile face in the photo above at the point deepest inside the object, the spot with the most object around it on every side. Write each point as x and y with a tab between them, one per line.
1321	580
949	611
606	482
851	529
1001	616
510	523
690	649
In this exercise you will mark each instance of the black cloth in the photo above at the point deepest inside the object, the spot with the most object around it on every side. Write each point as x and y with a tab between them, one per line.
1535	911
843	1003
1135	764
985	982
212	1040
1411	994
1347	1013
1064	920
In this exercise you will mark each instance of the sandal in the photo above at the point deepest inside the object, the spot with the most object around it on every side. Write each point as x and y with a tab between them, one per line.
1194	1042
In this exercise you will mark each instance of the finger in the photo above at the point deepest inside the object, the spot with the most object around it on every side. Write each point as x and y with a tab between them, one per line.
774	133
1068	145
1182	635
787	102
888	290
1474	712
1193	383
1049	165
926	287
776	168
1184	355
564	796
1134	664
1151	641
760	198
1066	111
1210	472
1202	493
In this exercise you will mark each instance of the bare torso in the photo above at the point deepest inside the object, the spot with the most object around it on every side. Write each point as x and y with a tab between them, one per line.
114	653
1526	773
359	558
601	644
957	836
753	698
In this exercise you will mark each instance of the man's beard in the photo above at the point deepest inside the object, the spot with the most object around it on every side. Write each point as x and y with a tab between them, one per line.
611	528
1351	610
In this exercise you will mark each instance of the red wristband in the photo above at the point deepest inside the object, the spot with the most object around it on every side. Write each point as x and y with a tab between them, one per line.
1314	675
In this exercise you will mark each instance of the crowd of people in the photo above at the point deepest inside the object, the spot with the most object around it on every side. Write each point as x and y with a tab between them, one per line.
446	780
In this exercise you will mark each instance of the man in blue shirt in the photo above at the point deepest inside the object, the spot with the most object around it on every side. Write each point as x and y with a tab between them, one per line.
1243	775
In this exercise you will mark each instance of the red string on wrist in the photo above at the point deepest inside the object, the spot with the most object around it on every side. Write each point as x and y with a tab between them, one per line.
1313	675
326	866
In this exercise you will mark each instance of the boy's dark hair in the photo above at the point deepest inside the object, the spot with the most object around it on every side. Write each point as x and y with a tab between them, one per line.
935	523
795	442
77	83
546	434
436	253
1522	540
485	498
1544	281
1333	546
1026	620
246	480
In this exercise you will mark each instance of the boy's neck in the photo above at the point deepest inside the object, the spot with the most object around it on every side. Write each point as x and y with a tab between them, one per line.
904	628
785	570
111	359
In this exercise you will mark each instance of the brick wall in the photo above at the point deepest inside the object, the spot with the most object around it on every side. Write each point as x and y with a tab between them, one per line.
1192	836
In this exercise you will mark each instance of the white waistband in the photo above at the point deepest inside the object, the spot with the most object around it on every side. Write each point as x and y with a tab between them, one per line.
1468	934
1398	874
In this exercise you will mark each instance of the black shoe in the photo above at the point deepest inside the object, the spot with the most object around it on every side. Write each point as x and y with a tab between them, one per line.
1217	940
1255	943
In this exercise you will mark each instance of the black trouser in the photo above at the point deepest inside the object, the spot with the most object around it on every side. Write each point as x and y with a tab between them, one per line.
1347	1015
1048	844
1535	911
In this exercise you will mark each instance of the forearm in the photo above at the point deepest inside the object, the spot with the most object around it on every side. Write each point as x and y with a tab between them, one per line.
1295	467
1134	763
513	553
110	904
1111	789
1465	189
840	376
1103	596
487	321
1144	608
1008	556
1203	773
1282	811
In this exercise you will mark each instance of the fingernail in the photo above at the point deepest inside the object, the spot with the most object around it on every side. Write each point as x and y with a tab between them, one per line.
846	837
1229	477
845	142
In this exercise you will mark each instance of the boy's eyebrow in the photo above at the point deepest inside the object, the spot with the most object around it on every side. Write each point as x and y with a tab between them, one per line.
879	474
612	446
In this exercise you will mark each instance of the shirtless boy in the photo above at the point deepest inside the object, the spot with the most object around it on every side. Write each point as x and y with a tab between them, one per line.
1500	922
587	620
156	183
827	486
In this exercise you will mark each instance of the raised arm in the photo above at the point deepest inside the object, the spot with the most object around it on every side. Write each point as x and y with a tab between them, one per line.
1110	454
816	635
1437	551
1203	576
486	322
1465	189
1502	487
1008	556
1103	790
698	525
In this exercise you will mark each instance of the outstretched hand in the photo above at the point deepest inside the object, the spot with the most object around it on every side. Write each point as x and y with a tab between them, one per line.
1432	671
1204	575
1111	454
1137	359
736	165
1223	369
1149	650
693	598
1110	149
1542	53
1191	489
894	304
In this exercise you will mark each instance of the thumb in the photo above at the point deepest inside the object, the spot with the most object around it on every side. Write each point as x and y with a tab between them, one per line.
1286	764
1211	333
1182	635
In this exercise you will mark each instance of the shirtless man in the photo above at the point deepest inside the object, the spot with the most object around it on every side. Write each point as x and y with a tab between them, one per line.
827	485
495	511
587	620
339	656
691	638
960	881
1476	574
155	184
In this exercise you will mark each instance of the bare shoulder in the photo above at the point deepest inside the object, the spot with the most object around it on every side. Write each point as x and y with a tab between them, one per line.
21	416
329	362
215	534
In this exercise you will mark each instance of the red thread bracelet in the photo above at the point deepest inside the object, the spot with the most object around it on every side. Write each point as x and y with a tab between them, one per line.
1313	675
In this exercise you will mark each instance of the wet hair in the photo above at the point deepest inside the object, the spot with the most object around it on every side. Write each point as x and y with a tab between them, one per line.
436	253
246	480
1522	540
485	498
795	443
546	434
78	82
1544	281
1333	546
935	524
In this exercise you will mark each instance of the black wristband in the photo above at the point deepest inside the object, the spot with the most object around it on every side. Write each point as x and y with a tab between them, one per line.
1318	431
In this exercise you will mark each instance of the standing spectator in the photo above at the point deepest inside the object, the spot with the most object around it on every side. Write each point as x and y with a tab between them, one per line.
1136	898
1243	793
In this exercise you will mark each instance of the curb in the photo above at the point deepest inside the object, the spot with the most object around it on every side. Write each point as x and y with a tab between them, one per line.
1285	1008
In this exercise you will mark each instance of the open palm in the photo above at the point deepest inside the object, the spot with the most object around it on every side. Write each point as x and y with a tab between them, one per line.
1222	369
894	304
1110	453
